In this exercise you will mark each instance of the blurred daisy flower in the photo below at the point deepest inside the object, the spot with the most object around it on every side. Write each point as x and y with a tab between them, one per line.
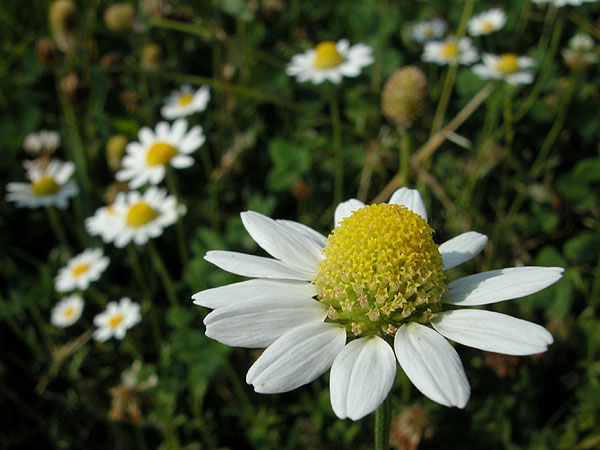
116	319
43	141
185	101
487	22
146	161
67	311
330	61
137	217
49	186
81	270
427	31
580	52
371	293
450	51
559	3
508	67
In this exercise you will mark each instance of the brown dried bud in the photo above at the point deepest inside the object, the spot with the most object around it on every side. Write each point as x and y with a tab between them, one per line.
119	17
47	51
408	428
402	101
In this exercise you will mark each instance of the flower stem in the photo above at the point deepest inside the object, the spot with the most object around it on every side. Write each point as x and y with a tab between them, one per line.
334	110
383	419
404	157
179	224
162	271
57	228
444	99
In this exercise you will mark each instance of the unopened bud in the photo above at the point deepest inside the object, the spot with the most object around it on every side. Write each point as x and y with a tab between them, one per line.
402	101
151	54
65	25
115	149
119	17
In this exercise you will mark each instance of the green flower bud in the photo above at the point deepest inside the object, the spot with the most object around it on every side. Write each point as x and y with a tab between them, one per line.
119	17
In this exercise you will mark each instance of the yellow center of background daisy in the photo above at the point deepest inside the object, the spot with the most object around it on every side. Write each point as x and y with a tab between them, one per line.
327	56
160	153
487	26
507	64
69	311
381	269
115	320
45	185
185	99
140	214
80	269
450	50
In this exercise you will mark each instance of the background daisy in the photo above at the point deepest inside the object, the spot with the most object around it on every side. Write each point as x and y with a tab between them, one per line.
104	223
450	51
185	101
487	22
43	141
508	67
428	31
116	319
67	311
81	270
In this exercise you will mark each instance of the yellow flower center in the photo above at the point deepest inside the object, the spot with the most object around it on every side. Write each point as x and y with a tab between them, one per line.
115	320
80	269
381	270
450	50
487	26
160	153
185	99
69	311
140	214
45	185
507	64
327	56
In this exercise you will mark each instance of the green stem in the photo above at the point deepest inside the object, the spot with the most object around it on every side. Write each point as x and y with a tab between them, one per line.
440	111
404	157
162	271
334	110
383	420
57	228
179	224
137	268
508	115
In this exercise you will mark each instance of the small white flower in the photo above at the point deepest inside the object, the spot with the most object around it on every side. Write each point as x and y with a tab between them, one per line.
330	61
185	101
508	67
450	51
116	319
81	270
49	186
427	31
138	217
487	22
42	141
146	161
580	51
104	223
378	277
67	311
560	3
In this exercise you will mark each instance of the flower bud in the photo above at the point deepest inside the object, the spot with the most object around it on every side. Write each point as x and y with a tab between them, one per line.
151	54
402	101
115	149
119	17
65	25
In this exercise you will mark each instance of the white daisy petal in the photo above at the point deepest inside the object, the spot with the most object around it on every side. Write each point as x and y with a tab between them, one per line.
411	198
255	266
361	377
492	331
345	209
297	358
432	365
462	248
498	285
304	230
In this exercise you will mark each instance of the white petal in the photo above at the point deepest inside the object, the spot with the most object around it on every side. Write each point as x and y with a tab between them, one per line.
411	199
297	358
462	248
259	322
361	377
255	266
497	285
345	209
247	290
492	331
293	249
303	229
432	365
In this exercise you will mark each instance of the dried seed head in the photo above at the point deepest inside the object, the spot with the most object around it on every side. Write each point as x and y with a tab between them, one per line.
402	101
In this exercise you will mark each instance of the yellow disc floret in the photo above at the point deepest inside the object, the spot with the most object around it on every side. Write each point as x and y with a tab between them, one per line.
80	269
140	214
327	56
487	26
45	185
507	64
185	99
450	50
160	153
115	320
381	270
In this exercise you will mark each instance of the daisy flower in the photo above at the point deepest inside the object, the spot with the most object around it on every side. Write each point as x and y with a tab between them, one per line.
580	51
487	22
371	293
330	61
185	101
81	270
559	3
147	159
116	319
450	51
103	223
508	67
49	186
67	311
137	217
426	31
43	141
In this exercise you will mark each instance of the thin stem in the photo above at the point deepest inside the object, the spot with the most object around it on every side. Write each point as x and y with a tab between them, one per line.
404	159
162	271
383	420
444	99
334	110
137	269
57	228
508	115
179	224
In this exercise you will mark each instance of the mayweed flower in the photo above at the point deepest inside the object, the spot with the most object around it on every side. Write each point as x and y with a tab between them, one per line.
116	319
44	141
450	51
580	52
403	96
81	270
378	280
67	311
427	31
487	22
49	186
330	61
137	217
508	67
185	101
146	160
559	3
